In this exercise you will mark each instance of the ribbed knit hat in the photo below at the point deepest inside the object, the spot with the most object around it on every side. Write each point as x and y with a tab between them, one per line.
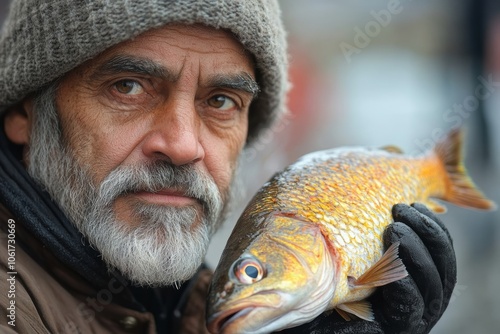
42	40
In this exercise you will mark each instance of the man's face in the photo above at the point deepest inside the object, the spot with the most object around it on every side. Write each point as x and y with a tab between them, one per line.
151	131
173	94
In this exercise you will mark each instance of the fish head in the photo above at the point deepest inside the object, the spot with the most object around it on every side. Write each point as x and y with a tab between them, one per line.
283	277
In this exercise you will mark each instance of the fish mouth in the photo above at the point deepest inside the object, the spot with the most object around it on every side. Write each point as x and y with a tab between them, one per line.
229	319
220	321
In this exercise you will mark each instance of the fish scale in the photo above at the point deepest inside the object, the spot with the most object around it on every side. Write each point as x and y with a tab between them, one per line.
327	179
311	239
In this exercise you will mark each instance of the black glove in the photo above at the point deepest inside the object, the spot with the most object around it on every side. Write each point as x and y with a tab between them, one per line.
415	303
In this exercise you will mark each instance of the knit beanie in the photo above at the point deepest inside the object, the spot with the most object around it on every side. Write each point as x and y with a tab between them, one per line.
41	40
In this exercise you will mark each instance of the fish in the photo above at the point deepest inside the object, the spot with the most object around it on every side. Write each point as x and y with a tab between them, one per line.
311	239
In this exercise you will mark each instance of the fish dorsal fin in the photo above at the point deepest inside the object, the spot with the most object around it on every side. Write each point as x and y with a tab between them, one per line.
388	269
392	149
361	309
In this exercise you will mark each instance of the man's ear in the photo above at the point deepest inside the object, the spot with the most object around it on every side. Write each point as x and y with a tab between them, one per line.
17	122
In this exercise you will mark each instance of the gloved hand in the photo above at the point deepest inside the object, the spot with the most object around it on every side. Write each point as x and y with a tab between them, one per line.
415	303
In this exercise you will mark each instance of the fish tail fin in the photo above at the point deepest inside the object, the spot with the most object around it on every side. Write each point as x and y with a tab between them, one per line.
461	190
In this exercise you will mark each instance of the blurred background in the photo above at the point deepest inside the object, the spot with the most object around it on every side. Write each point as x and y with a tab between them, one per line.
398	72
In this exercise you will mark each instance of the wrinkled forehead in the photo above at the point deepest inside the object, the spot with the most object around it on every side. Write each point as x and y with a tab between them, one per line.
163	53
194	37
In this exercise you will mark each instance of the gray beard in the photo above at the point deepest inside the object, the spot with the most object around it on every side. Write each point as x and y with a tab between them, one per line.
169	244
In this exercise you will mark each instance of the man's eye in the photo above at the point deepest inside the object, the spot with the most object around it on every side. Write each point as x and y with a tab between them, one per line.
129	87
221	102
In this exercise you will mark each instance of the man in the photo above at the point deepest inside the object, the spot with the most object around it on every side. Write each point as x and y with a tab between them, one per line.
122	124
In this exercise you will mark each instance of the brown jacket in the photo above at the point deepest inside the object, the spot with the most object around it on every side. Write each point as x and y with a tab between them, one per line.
39	294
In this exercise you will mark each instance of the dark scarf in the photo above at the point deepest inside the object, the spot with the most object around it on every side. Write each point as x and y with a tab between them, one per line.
42	217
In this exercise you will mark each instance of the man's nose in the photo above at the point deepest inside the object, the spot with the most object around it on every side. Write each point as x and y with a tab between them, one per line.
175	135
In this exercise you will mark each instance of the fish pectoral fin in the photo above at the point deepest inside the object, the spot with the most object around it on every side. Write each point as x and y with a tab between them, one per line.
345	315
361	309
434	206
388	269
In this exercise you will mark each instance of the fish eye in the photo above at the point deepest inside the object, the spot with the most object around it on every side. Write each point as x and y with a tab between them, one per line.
248	271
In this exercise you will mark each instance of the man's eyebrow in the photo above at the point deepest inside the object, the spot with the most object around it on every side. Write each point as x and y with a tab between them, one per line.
130	64
242	81
124	63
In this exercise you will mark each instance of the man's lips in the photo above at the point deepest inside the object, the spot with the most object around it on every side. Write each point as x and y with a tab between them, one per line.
167	197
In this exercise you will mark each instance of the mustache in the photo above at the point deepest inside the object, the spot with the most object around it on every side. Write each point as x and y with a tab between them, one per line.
159	175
